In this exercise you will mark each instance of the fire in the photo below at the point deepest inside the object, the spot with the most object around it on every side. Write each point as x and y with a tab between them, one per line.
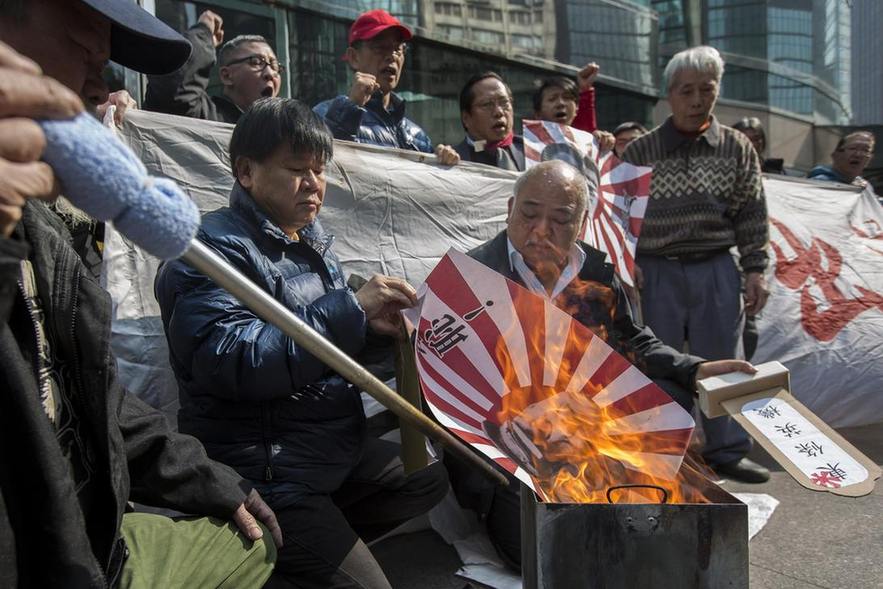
578	451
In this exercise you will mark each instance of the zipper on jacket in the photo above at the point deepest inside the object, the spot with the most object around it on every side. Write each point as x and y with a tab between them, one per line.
78	373
35	322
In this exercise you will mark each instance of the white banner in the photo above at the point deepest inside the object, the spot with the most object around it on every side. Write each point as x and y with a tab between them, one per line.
824	318
395	214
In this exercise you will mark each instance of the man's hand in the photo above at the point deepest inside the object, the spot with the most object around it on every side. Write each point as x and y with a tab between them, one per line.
447	155
25	94
717	367
756	293
123	101
639	277
215	24
364	85
586	76
382	298
606	140
252	511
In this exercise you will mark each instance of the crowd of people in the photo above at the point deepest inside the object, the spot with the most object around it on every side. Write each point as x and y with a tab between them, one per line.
273	465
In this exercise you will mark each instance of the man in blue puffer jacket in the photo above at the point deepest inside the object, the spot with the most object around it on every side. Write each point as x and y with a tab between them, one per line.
256	399
372	112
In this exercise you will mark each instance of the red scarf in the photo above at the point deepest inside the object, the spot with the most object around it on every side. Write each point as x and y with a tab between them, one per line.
492	146
696	134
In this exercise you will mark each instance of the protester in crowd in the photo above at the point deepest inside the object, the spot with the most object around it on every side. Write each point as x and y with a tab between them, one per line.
706	196
540	250
752	128
624	134
372	112
556	100
487	115
76	448
258	400
248	70
849	159
559	99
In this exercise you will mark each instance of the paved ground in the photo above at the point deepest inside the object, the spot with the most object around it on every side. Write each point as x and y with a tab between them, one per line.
812	540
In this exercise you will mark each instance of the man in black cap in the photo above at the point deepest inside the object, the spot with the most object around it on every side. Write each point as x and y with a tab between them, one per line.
75	448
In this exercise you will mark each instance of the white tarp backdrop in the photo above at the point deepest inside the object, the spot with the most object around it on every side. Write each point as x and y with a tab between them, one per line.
398	212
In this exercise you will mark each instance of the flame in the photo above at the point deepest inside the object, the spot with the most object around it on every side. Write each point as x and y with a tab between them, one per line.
571	446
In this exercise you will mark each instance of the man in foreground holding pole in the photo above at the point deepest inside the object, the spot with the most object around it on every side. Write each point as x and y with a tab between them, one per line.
75	447
256	398
706	197
540	250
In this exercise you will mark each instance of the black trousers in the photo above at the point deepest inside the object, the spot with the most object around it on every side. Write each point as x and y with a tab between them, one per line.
324	535
504	517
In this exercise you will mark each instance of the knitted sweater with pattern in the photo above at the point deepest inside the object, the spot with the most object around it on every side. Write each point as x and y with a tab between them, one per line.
705	195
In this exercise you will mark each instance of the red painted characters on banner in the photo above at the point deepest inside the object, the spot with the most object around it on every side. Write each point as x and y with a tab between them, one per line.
819	264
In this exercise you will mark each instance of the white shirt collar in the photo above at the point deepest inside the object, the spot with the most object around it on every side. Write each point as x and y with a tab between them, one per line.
575	260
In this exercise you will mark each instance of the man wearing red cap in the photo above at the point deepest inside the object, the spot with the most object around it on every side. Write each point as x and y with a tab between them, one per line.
372	112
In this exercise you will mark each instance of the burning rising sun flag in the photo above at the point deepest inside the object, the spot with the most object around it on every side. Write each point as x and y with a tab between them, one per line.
617	210
536	391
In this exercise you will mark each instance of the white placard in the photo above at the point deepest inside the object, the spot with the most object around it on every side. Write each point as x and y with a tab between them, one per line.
816	455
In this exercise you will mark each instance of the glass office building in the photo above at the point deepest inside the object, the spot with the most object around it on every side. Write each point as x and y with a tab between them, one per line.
792	55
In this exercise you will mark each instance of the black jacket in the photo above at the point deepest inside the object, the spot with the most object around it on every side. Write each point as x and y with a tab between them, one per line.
515	152
46	539
185	91
256	399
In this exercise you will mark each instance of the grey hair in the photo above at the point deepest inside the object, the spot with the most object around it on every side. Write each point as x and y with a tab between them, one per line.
701	59
234	44
561	169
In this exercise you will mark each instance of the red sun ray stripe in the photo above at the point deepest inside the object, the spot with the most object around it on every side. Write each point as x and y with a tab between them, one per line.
530	153
540	132
531	310
447	408
646	397
458	362
578	340
613	366
508	464
608	163
445	383
630	187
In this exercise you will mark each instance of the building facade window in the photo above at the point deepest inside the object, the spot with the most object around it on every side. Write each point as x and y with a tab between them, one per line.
448	8
485	13
486	37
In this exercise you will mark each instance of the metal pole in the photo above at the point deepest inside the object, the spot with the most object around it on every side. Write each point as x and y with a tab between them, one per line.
269	309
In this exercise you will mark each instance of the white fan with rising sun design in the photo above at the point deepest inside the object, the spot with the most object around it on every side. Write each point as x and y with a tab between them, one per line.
499	363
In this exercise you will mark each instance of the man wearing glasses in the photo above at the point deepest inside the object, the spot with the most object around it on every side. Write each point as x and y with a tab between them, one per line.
848	160
487	114
248	70
372	112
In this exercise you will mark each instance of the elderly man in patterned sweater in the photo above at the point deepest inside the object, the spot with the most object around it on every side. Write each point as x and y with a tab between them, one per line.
706	197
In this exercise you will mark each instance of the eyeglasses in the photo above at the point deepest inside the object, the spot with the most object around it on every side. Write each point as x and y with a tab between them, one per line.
259	62
492	105
863	151
387	48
